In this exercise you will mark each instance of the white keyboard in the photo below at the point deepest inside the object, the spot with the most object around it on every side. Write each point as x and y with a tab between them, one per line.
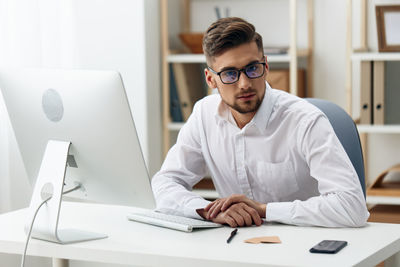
170	221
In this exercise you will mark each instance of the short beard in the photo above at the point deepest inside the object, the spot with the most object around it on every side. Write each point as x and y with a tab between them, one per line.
244	110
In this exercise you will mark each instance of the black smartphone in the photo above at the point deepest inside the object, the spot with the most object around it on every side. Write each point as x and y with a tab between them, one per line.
328	246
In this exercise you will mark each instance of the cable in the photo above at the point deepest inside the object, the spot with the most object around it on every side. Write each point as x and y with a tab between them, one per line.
33	220
30	231
72	189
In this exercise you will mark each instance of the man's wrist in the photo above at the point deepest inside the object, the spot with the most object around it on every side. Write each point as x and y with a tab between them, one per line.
263	210
202	213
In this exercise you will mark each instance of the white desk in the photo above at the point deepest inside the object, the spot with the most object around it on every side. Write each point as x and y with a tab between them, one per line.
140	244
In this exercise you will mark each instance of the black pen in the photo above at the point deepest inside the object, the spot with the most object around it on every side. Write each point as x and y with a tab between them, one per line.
232	235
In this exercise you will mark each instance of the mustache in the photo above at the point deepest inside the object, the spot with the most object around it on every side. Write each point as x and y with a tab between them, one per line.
247	92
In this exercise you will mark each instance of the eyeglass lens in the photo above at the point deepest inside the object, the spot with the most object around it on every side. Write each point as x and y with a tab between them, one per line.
252	71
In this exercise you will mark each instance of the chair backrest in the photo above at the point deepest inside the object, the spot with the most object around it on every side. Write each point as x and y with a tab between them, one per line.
346	131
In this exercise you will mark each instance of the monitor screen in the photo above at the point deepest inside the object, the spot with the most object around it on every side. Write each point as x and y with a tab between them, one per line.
89	109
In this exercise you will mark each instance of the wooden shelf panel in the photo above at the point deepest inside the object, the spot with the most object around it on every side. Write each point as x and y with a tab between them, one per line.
385	214
375	56
389	129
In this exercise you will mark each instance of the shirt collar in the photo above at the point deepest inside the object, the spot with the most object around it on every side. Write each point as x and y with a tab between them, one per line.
265	110
262	115
222	113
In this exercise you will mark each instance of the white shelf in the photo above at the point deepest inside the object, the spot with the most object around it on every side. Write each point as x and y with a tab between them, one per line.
207	193
186	58
200	58
175	126
376	56
383	200
389	129
278	58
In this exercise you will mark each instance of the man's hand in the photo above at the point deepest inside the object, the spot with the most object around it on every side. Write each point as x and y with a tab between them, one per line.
222	204
238	214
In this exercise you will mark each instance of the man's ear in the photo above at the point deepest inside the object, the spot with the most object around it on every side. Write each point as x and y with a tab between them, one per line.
210	80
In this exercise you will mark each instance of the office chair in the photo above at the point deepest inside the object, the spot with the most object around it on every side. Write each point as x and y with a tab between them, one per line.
346	131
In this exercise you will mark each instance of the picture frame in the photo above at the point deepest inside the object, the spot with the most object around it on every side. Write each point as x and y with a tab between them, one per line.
388	27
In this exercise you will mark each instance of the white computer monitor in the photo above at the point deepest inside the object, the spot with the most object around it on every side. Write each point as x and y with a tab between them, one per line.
90	110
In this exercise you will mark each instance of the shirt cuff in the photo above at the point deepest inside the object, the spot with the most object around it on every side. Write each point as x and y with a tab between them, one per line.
279	212
193	205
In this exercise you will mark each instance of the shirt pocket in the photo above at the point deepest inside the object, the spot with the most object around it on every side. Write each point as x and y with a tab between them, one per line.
277	179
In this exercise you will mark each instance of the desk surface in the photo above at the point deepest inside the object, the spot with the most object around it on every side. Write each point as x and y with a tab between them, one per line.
141	244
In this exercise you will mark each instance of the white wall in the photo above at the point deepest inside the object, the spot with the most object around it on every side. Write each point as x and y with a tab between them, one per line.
120	35
330	51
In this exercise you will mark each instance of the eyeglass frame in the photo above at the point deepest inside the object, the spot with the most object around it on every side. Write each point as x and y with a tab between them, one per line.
240	71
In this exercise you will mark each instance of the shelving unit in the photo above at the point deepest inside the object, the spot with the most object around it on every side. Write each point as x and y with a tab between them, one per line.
357	57
168	57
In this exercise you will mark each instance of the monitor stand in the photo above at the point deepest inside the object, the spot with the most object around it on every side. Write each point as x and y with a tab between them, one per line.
50	182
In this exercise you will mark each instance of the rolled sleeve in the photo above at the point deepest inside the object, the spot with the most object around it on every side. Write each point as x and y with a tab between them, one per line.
193	205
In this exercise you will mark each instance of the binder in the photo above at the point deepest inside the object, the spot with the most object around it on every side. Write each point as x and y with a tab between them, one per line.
365	94
174	103
392	92
190	86
379	92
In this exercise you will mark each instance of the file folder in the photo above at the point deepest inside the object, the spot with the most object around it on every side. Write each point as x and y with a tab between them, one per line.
175	104
190	86
392	92
365	94
379	92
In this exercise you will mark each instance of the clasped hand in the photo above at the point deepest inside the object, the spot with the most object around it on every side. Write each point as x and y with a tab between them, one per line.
236	210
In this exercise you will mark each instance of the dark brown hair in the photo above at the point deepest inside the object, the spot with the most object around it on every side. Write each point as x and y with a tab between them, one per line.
227	33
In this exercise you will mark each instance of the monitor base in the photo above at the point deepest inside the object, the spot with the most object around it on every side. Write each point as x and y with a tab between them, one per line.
68	236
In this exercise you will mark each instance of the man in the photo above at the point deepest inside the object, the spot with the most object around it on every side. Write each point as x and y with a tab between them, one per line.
271	155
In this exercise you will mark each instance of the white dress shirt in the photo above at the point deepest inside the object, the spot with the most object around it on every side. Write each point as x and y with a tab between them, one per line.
287	156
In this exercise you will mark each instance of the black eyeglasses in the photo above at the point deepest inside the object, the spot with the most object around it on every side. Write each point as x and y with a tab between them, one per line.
252	71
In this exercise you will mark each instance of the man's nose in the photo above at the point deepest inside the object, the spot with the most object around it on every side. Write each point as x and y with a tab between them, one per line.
244	81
